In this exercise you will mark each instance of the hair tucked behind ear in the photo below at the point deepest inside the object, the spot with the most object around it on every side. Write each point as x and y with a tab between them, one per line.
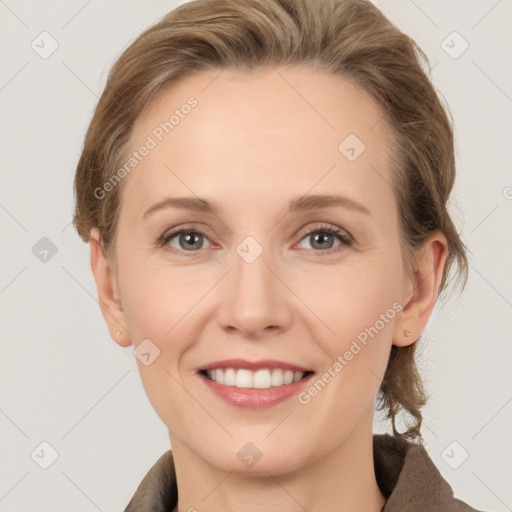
349	38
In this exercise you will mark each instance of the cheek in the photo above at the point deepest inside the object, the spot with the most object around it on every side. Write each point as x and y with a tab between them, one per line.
357	307
358	311
164	305
157	295
351	298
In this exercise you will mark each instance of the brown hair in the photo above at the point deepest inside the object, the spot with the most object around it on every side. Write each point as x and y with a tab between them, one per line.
350	38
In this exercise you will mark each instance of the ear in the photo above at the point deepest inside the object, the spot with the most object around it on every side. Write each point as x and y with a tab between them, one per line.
108	296
421	290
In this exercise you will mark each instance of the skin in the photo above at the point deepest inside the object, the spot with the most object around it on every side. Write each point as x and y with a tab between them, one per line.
255	142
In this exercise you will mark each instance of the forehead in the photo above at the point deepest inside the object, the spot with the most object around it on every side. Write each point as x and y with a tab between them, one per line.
258	134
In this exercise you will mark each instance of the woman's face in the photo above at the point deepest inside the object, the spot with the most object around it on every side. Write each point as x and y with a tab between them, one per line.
254	279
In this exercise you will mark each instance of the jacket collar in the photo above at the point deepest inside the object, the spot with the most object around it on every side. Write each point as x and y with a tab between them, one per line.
406	476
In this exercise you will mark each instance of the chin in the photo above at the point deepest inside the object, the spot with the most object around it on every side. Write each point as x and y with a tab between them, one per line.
255	458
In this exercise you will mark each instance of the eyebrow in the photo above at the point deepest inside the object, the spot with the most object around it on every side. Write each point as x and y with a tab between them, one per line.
304	203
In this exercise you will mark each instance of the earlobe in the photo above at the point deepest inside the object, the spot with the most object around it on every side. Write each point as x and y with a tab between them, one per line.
421	290
108	298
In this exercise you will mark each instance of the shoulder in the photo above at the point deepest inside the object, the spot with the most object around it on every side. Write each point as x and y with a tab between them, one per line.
409	479
158	490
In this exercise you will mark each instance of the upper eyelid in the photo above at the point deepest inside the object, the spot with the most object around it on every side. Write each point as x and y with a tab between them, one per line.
178	229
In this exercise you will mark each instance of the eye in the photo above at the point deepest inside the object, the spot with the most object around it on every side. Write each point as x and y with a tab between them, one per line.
190	240
322	237
187	240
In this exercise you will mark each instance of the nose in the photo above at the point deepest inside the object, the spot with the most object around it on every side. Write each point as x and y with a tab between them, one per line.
255	299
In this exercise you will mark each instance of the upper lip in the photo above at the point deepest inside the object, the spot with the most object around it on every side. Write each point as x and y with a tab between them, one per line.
253	365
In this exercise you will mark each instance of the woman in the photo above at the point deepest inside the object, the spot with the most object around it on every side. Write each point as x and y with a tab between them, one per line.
264	186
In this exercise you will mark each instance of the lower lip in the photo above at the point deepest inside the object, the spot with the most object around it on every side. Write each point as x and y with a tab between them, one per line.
251	398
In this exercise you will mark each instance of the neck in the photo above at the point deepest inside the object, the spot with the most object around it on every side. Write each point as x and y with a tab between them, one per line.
342	480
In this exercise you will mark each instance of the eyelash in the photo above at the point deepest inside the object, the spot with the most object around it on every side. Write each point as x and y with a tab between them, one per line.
340	234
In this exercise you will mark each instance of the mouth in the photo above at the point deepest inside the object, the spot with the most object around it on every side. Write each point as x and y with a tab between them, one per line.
263	378
254	385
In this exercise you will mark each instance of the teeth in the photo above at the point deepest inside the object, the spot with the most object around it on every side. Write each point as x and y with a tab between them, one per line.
243	378
229	377
260	379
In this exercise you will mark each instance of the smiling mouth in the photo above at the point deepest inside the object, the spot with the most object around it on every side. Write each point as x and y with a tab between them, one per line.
259	379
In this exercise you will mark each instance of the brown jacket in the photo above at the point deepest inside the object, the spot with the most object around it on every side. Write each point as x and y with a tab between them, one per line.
406	475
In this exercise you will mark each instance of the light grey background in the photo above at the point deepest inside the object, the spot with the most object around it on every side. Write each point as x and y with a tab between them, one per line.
65	382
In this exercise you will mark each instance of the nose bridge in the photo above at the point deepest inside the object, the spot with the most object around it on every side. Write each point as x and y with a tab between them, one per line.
256	299
251	270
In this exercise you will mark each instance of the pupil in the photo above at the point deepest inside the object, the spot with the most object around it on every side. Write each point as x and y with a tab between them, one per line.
191	239
320	237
